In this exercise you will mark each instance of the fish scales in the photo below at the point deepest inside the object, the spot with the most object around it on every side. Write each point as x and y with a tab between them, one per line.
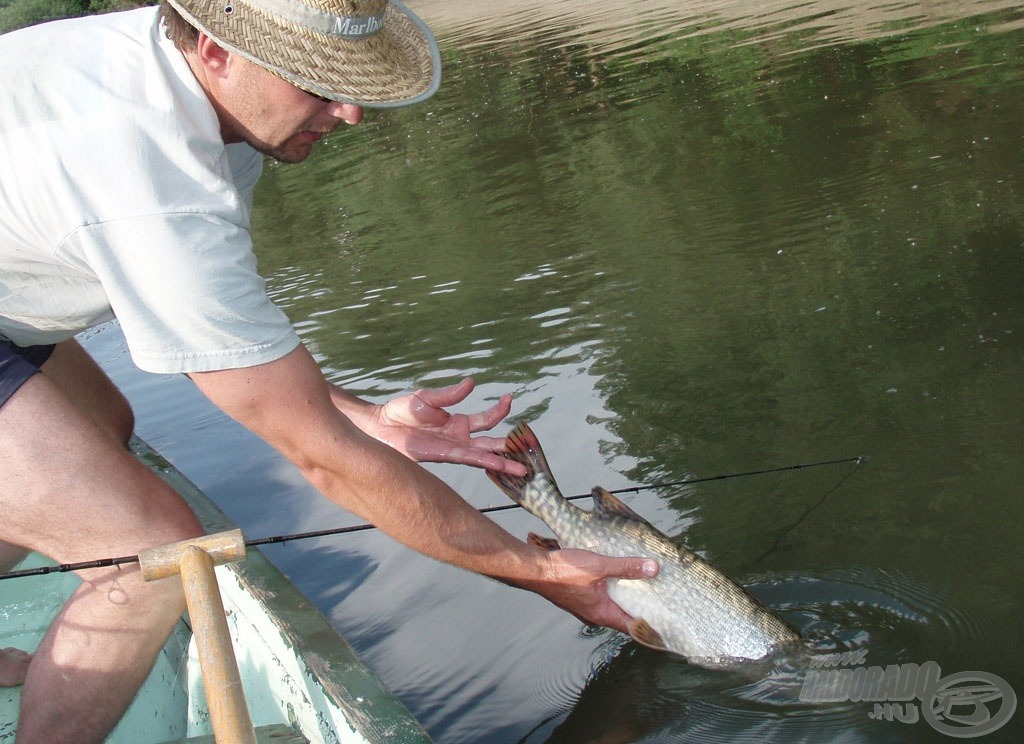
693	609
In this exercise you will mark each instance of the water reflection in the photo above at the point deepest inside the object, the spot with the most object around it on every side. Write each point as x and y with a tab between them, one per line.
636	30
692	238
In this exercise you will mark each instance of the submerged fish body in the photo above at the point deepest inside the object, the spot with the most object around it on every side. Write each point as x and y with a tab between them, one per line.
690	608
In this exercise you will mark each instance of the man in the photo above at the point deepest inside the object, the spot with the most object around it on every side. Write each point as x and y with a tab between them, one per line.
130	151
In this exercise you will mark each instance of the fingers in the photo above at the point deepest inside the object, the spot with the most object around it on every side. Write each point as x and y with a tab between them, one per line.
510	467
626	568
439	398
482	458
489	444
635	568
600	567
447	396
486	420
419	426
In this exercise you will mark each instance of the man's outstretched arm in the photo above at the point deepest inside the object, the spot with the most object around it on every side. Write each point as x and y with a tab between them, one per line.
289	404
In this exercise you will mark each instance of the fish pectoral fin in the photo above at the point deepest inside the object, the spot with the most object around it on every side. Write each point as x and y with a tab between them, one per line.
544	543
645	635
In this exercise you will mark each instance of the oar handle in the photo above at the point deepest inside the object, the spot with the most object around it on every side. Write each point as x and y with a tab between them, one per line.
194	560
163	560
224	694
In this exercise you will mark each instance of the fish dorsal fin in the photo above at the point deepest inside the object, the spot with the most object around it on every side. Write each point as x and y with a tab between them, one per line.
609	505
645	635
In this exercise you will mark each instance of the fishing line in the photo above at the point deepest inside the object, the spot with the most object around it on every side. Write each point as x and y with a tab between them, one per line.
281	539
807	512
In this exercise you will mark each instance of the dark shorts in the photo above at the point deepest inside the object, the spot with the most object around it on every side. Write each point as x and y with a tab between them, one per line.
17	364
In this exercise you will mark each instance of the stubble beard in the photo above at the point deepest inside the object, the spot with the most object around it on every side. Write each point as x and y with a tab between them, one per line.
279	153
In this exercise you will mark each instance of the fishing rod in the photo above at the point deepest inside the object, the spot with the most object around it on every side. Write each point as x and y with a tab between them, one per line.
688	481
281	539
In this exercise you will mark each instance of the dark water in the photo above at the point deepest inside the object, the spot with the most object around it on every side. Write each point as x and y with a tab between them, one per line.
692	239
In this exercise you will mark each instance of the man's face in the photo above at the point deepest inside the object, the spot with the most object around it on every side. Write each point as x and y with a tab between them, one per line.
275	117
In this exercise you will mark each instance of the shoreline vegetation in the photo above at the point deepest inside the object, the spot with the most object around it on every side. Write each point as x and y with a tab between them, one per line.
15	14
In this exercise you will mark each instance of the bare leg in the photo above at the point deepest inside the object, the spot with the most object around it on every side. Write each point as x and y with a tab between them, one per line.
72	492
82	381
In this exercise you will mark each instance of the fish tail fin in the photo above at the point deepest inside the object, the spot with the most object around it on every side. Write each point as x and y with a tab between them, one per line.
521	446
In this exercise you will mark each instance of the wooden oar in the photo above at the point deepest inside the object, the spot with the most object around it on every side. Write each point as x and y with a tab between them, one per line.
194	560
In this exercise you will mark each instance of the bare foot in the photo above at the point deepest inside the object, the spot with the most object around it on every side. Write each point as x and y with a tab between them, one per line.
13	666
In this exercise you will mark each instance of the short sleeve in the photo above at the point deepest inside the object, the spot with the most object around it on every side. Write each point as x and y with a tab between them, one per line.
186	291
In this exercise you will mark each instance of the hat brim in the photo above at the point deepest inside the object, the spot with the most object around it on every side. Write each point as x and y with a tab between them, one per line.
397	66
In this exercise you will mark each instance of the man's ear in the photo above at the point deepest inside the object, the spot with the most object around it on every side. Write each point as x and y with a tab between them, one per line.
213	57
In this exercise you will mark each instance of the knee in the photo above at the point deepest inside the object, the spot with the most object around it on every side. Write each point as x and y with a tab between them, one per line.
158	516
111	412
120	423
178	523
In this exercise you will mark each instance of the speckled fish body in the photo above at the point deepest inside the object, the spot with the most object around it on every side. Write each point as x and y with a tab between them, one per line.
690	608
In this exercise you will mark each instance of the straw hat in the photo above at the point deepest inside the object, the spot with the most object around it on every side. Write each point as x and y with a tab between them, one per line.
374	53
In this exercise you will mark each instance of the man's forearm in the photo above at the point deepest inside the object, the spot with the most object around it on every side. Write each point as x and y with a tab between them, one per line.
419	510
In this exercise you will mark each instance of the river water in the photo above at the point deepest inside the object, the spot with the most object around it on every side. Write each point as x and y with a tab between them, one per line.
692	239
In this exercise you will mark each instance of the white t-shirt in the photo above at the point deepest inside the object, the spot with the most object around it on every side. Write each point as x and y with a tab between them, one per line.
118	198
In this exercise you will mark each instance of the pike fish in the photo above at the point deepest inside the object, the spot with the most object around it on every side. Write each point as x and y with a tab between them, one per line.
690	608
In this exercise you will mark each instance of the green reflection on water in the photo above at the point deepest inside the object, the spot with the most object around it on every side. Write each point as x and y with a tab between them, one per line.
737	253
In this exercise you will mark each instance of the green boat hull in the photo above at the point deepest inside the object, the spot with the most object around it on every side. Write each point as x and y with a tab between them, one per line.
302	680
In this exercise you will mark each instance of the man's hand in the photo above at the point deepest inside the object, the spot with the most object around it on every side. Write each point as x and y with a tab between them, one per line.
577	584
418	426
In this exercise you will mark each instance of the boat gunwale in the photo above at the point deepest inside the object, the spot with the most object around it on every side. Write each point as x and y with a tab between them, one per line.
374	712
